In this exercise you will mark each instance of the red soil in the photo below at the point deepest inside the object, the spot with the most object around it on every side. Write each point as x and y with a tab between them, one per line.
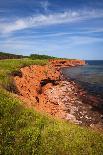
66	63
41	88
32	88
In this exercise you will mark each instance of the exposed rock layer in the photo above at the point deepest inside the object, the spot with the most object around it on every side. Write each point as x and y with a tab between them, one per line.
66	63
41	88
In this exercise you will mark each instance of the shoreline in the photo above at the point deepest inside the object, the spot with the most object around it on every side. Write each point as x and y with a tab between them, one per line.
56	96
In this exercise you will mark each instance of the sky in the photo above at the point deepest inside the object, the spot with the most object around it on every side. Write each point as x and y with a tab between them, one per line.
61	28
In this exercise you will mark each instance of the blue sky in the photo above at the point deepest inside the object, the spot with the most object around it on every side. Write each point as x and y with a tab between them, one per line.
62	28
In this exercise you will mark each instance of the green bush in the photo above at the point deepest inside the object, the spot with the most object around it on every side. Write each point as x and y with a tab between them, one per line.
37	56
4	55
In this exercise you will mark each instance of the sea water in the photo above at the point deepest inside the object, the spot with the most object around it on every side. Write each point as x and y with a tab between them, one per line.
89	76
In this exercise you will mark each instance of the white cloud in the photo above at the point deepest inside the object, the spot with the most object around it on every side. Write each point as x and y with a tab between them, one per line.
50	19
45	5
93	30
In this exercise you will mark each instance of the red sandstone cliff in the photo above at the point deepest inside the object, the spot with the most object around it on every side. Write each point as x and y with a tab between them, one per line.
40	87
36	80
66	63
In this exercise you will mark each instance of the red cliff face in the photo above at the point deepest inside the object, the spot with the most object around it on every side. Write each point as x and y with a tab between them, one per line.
30	83
40	87
66	63
35	82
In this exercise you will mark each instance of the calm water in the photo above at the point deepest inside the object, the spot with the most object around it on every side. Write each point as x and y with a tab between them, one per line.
89	76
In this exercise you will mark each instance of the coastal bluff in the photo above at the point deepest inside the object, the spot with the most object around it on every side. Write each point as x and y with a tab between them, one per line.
35	82
43	89
67	63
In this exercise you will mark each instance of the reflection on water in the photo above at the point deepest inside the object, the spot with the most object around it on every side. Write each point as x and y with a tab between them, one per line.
89	76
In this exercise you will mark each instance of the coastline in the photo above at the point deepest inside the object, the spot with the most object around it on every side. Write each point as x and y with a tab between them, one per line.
46	90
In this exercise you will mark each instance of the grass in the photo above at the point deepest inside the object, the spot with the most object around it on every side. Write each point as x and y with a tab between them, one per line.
26	132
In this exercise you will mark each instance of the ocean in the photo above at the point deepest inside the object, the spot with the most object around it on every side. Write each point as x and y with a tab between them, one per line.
90	76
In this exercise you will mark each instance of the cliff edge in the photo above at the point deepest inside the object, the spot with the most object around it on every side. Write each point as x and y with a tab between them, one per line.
41	88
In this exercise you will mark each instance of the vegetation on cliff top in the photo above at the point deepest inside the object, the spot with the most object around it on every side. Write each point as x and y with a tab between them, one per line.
37	56
4	55
25	131
9	56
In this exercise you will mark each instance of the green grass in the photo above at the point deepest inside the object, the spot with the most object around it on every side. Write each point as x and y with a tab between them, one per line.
26	132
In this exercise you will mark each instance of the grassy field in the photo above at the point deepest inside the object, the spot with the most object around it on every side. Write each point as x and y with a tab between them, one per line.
26	132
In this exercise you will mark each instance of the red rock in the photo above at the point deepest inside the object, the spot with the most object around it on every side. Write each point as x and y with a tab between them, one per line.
31	91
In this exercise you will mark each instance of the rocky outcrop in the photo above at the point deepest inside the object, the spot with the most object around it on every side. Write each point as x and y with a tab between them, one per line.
33	78
32	85
41	88
66	63
36	80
